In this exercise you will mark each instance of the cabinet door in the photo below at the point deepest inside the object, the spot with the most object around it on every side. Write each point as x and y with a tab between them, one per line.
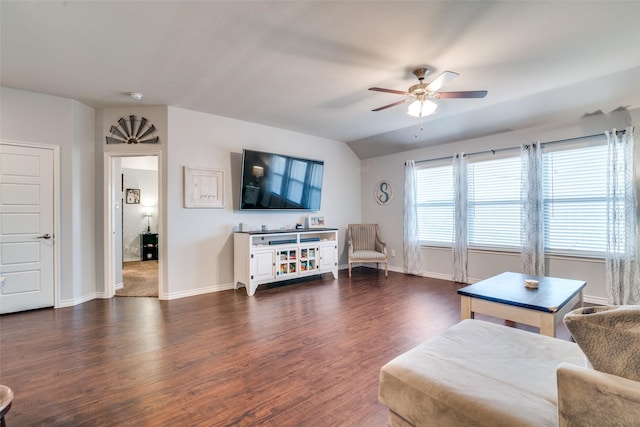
287	261
328	256
309	259
262	265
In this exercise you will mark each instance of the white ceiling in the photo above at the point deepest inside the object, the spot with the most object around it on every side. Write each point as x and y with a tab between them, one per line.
306	65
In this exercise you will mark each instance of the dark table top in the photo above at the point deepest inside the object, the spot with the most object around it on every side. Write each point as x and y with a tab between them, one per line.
508	288
288	230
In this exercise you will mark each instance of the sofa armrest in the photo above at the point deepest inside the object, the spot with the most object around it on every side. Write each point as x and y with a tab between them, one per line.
587	397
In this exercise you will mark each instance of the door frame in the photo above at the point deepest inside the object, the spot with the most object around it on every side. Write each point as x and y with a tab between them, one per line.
109	200
56	209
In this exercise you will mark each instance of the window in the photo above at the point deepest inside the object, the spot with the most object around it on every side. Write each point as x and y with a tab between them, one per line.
434	186
493	216
493	204
575	199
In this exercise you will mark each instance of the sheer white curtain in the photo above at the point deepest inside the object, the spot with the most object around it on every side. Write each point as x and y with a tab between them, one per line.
532	210
622	278
411	242
460	240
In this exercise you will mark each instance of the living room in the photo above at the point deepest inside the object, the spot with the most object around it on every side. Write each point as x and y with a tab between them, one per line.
196	245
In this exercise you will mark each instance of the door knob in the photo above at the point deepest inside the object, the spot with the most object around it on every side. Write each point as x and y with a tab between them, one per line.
44	236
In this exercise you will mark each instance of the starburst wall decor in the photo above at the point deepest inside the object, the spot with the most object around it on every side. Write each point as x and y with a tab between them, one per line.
132	131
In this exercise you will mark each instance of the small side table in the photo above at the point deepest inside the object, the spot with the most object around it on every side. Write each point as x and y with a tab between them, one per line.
149	246
505	296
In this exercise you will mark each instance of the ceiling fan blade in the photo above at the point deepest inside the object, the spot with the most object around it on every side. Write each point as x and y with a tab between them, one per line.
399	92
393	105
441	80
464	94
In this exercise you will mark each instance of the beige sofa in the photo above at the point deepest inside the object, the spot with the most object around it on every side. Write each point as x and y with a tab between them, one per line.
484	374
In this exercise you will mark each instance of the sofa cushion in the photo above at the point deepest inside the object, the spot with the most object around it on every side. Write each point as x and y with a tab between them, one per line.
609	336
478	373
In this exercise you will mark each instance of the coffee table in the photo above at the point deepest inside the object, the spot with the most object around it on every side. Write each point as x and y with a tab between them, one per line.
505	296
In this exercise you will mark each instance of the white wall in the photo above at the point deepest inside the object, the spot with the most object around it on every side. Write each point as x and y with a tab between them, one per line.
42	119
197	243
200	243
437	262
105	118
134	219
116	182
196	249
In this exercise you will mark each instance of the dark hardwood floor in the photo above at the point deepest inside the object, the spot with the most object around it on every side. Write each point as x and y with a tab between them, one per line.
304	354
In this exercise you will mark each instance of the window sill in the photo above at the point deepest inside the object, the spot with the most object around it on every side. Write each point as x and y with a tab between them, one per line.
597	258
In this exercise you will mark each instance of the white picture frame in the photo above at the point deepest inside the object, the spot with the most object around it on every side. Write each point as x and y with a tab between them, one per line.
316	221
203	188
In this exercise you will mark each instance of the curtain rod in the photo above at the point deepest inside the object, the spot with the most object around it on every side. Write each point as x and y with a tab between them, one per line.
618	132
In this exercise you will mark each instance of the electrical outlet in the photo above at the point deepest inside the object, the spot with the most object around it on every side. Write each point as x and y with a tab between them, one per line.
393	252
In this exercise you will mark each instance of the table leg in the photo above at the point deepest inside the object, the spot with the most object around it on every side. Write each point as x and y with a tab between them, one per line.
465	307
548	324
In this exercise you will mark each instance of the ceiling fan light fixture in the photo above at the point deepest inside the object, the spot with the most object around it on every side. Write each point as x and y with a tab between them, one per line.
422	108
136	95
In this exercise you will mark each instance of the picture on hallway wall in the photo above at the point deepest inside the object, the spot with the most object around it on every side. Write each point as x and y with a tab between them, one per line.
133	195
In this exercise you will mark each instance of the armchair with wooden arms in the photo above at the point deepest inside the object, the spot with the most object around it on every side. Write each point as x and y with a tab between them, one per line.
365	246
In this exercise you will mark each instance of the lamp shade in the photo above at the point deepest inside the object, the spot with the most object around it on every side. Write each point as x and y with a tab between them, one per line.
422	108
258	171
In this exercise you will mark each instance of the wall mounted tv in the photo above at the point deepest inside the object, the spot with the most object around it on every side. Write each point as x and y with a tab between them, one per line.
276	181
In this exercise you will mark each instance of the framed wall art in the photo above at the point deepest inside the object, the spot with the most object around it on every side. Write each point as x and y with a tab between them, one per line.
203	188
133	195
316	221
383	193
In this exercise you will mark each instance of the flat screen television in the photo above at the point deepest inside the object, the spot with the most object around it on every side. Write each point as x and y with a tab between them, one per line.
277	181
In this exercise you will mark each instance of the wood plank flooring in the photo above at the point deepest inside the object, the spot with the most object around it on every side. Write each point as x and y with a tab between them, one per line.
304	354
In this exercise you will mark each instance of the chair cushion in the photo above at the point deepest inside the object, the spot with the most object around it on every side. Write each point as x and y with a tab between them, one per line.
371	256
478	373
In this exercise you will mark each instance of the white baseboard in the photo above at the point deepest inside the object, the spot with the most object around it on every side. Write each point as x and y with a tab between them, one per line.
471	280
194	292
76	301
595	300
229	286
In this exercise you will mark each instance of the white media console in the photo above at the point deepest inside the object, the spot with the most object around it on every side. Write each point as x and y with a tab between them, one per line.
270	256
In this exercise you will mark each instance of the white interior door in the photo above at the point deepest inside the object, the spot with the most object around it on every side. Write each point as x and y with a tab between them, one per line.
26	228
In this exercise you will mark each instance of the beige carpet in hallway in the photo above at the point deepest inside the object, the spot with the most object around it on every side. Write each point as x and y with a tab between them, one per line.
140	279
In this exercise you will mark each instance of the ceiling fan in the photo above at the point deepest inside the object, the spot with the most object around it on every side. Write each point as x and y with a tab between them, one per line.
420	95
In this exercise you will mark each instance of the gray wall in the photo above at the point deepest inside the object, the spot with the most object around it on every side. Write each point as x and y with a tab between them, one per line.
437	262
41	119
196	250
197	243
134	220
